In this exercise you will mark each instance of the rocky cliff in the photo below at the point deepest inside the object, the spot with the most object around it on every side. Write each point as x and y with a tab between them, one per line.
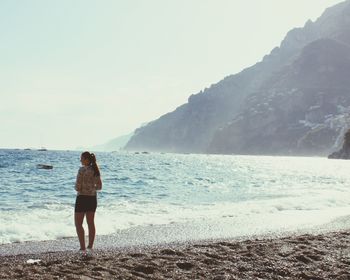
344	152
295	101
302	109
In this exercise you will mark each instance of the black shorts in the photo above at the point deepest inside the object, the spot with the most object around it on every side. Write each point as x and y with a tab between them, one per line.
86	203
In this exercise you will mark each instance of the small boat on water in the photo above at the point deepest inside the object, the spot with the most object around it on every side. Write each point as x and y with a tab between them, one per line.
44	166
42	150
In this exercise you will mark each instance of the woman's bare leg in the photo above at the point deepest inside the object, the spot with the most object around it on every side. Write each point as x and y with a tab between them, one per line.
90	216
79	218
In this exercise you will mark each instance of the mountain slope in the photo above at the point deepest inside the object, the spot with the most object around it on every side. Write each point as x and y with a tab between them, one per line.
209	121
296	110
114	144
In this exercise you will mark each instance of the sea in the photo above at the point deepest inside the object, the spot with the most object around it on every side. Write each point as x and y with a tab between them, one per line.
223	195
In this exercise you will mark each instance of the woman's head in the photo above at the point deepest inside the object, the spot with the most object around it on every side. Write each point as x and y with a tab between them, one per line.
89	159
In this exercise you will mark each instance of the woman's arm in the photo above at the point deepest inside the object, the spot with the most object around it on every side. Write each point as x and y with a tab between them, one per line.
98	183
79	181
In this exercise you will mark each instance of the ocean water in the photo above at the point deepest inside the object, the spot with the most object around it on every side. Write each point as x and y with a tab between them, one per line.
247	193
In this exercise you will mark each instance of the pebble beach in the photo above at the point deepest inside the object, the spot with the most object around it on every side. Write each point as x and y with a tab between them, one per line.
306	256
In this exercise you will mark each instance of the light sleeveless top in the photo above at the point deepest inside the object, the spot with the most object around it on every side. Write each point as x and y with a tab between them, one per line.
87	183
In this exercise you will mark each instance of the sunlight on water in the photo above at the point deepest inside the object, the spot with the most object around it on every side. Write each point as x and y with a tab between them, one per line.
144	189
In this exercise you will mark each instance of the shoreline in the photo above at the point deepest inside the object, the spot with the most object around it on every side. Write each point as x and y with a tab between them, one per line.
167	234
305	256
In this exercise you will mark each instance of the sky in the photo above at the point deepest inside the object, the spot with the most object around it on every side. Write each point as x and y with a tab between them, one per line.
77	73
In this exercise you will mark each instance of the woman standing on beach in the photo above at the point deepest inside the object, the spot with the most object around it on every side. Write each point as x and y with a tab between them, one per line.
87	183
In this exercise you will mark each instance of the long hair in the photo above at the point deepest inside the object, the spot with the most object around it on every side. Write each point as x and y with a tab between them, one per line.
92	162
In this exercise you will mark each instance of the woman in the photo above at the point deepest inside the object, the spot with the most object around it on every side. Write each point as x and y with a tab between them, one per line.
87	183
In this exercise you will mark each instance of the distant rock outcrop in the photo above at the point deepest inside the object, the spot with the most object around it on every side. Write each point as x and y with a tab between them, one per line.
44	166
344	152
295	101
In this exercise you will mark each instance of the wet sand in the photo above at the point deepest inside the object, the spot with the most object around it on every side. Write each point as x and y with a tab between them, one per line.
307	256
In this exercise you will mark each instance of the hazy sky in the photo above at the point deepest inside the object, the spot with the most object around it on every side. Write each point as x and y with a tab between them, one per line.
81	72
